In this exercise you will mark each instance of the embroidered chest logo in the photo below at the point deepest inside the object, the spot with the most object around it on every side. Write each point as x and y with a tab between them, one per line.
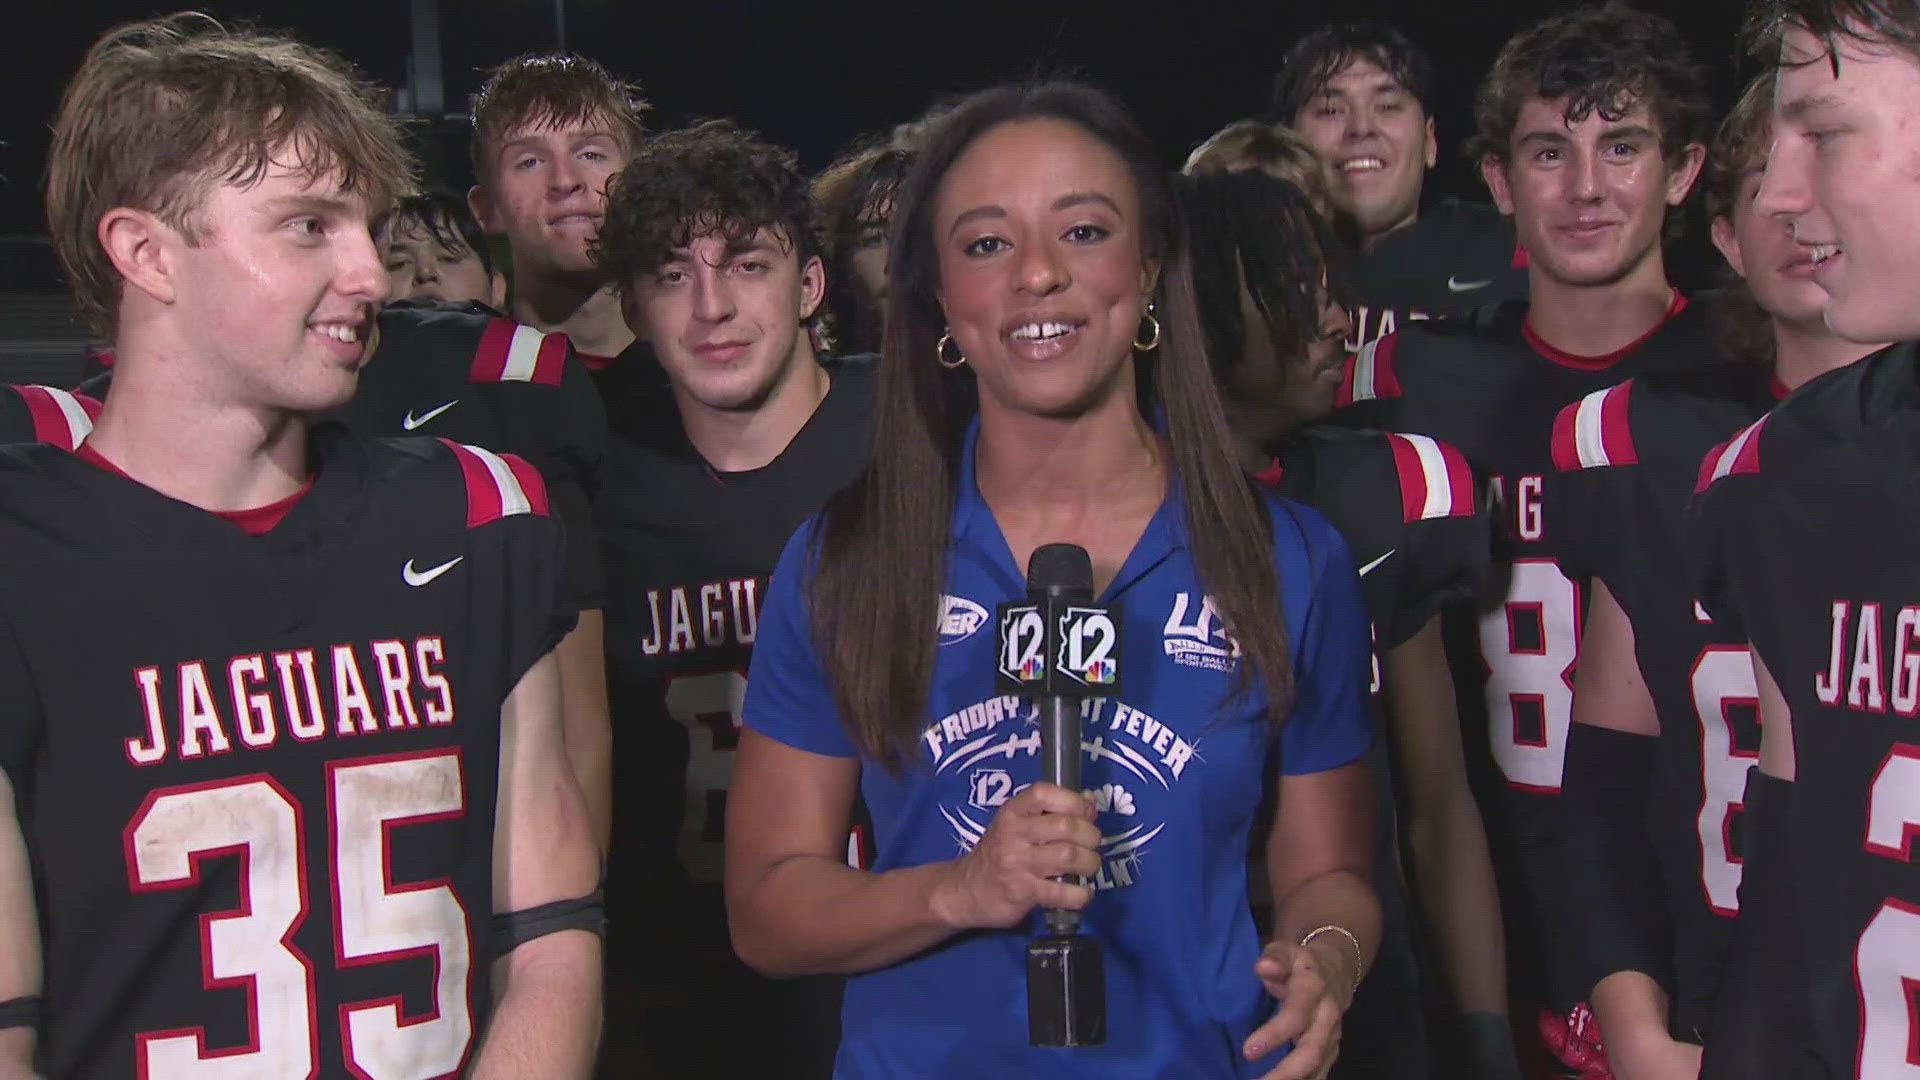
960	619
410	421
1195	637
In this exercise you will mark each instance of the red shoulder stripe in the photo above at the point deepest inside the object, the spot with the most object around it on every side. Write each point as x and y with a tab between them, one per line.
1270	476
514	352
1594	432
1369	373
59	416
1740	454
1435	480
550	360
498	485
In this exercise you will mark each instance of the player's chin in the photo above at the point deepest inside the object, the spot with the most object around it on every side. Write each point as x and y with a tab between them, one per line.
730	391
1858	314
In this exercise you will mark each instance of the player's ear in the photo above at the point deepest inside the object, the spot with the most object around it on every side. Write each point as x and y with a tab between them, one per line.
497	291
1728	243
813	286
1680	181
1494	172
1433	145
481	202
141	247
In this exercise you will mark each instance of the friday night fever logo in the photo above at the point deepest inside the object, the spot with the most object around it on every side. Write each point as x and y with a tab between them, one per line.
1133	760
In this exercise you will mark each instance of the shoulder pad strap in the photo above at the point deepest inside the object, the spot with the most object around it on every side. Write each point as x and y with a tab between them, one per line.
514	352
498	485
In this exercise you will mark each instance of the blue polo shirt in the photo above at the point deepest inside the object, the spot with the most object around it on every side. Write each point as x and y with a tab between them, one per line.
1176	768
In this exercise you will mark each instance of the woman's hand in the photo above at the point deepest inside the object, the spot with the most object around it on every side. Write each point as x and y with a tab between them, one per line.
1042	832
1313	985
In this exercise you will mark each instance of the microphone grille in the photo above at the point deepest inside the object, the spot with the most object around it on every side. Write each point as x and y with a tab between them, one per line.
1060	567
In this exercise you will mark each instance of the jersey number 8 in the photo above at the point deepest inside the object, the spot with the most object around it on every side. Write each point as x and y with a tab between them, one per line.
1530	644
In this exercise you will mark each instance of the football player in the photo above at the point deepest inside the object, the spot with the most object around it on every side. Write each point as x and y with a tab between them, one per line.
1664	727
726	437
282	727
1803	536
1408	508
1361	94
434	250
462	372
1591	125
548	133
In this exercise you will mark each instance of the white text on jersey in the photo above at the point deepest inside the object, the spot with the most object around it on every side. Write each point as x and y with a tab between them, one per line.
729	615
265	696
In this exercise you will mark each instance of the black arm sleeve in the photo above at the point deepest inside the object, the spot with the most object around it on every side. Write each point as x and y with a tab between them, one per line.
1613	872
1761	1028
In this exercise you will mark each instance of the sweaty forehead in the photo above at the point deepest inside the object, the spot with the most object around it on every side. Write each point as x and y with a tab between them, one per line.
1548	116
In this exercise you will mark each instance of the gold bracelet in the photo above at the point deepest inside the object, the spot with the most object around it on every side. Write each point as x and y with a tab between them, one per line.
1359	954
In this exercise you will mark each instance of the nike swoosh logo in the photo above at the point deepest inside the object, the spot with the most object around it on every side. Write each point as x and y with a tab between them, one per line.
1454	284
413	421
417	578
1375	564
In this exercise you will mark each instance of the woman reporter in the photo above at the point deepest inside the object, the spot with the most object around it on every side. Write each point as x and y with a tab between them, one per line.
1043	379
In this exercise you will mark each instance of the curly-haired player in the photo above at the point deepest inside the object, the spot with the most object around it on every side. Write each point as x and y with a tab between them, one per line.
724	439
1592	123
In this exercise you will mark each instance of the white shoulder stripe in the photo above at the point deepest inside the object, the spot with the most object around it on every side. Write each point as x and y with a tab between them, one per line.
1589	436
1732	453
1433	467
523	354
513	497
79	424
1363	367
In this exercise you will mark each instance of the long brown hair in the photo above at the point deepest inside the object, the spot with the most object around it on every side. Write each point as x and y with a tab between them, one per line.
878	642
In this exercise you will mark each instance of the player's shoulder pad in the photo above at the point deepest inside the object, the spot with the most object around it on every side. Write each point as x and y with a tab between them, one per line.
60	417
1594	433
511	351
498	485
1369	374
1435	479
1740	454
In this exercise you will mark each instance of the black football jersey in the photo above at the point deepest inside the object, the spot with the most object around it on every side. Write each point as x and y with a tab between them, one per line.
1455	257
464	372
45	414
1627	460
257	774
1804	534
1489	386
688	550
1407	506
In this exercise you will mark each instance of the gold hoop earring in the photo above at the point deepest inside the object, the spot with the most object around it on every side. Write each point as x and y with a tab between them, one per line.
1153	335
940	353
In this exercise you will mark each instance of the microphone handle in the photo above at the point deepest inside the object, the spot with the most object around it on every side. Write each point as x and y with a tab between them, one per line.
1060	764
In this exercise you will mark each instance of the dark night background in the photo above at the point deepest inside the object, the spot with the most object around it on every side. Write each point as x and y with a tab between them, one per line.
815	76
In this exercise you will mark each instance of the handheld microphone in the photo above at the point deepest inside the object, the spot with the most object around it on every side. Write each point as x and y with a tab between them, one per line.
1057	649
